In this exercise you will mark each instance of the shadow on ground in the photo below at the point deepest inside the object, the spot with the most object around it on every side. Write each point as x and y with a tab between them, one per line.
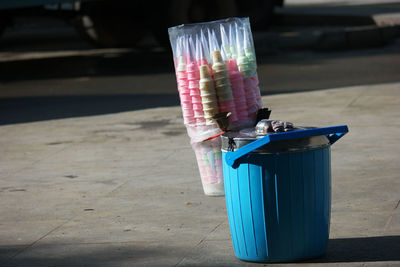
149	63
100	64
362	249
103	254
359	249
30	109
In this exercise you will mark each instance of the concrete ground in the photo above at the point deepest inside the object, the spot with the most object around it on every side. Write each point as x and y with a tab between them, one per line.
124	190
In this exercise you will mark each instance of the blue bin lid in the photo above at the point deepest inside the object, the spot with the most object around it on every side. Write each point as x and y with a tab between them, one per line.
231	141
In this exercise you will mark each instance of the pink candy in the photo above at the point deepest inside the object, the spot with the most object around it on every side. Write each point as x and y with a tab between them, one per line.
195	93
243	115
193	76
250	88
257	90
198	113
241	104
228	106
197	106
186	105
185	98
238	90
209	161
192	71
196	99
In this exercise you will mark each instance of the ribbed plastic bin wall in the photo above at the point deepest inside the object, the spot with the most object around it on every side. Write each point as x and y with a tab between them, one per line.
279	205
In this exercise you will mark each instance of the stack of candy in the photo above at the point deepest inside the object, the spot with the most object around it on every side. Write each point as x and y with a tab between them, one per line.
193	76
216	72
223	86
238	91
209	159
182	81
247	66
208	95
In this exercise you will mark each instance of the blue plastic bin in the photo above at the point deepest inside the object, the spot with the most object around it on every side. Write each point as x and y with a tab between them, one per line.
278	193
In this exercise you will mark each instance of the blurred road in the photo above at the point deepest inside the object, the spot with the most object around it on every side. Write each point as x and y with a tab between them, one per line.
49	72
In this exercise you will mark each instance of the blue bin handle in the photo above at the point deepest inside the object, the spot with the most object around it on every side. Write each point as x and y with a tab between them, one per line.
332	133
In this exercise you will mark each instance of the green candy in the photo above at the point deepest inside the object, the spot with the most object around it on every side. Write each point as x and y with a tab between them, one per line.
233	51
227	51
205	159
252	61
245	66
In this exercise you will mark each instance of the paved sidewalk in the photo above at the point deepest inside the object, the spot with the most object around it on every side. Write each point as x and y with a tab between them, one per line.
123	189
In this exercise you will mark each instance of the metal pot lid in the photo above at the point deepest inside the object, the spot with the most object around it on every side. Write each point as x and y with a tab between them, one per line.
232	141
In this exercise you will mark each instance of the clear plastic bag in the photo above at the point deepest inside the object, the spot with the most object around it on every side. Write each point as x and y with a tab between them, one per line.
209	160
216	72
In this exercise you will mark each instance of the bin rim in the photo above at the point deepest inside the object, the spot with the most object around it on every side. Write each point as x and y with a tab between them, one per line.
248	136
333	134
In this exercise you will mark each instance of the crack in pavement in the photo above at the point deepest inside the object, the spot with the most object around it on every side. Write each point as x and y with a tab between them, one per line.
201	241
36	241
389	220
